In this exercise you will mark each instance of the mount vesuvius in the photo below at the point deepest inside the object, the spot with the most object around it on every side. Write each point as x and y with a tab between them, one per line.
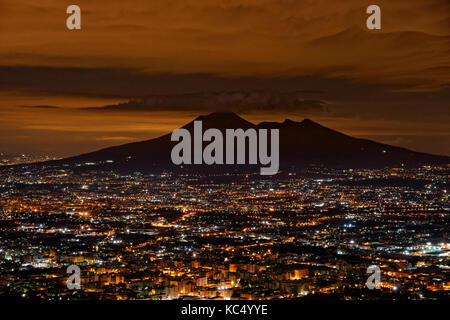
302	144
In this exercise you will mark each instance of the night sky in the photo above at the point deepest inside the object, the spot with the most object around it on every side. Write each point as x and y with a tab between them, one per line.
139	68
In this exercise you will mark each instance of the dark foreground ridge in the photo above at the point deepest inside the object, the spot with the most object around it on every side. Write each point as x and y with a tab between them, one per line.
302	144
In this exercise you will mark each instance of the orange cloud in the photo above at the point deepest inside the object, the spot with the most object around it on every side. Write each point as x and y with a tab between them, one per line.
246	38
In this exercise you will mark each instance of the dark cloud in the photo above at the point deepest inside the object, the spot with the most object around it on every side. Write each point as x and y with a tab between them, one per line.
42	107
131	83
236	101
132	89
117	82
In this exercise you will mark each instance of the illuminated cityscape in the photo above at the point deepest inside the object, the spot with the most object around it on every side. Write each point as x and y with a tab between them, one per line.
224	159
309	235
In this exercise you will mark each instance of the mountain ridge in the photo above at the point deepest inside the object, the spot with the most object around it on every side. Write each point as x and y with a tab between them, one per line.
302	144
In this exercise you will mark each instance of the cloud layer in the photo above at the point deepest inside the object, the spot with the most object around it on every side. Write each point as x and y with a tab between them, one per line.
236	38
235	101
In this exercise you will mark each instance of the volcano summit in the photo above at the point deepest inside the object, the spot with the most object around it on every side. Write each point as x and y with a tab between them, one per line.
301	145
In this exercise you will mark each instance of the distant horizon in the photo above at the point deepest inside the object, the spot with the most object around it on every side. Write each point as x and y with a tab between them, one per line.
242	115
234	120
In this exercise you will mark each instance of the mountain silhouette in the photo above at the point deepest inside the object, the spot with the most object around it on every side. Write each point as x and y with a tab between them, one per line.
302	144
